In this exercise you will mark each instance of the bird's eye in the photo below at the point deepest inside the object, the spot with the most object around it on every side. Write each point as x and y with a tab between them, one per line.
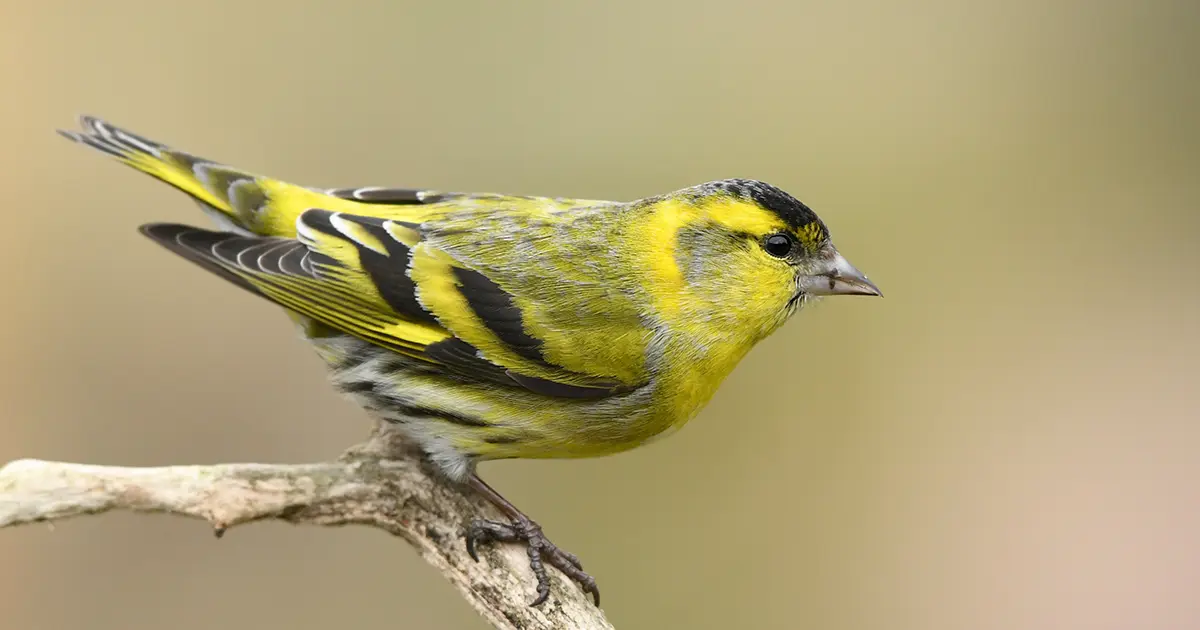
779	245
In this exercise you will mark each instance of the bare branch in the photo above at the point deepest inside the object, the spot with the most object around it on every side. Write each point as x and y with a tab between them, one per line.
368	485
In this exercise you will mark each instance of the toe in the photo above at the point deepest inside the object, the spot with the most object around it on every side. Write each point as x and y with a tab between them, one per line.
589	586
485	532
572	558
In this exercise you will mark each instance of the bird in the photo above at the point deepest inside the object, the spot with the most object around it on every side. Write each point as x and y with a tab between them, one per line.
486	326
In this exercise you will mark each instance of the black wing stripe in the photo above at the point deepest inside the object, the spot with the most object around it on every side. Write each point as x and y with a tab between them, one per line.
563	390
319	220
498	311
463	358
389	272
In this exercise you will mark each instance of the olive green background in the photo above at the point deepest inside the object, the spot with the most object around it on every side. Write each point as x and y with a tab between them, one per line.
1008	440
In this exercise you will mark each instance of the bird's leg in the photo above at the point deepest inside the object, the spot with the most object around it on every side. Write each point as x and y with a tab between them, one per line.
522	529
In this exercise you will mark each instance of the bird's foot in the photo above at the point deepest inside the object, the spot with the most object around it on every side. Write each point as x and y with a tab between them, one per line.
541	553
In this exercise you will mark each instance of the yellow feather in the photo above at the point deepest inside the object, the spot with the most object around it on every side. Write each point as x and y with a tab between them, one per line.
738	216
654	245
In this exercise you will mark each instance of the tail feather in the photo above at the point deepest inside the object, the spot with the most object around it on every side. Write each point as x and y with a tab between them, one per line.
112	140
235	198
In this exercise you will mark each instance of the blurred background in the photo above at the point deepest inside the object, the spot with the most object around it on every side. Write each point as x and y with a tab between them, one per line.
1008	440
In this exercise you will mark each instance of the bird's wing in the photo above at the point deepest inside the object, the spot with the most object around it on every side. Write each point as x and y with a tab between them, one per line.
382	281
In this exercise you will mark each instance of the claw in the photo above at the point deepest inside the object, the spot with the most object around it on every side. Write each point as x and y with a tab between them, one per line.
543	593
593	590
541	552
472	537
486	532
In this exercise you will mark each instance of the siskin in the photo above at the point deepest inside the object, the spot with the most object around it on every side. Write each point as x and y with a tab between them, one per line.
488	326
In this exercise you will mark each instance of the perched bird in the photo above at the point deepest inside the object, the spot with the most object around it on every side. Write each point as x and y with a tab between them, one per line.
488	326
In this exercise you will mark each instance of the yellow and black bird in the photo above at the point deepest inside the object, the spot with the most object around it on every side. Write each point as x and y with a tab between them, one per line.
488	326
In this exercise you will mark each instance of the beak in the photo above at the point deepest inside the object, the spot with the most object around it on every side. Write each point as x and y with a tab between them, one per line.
841	279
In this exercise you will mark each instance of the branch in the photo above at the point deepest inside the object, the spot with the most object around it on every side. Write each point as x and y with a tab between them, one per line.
366	486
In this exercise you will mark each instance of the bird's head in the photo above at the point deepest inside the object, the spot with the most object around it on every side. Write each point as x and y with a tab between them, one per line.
755	253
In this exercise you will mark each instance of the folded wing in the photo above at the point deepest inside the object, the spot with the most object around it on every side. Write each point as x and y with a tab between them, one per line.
380	281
